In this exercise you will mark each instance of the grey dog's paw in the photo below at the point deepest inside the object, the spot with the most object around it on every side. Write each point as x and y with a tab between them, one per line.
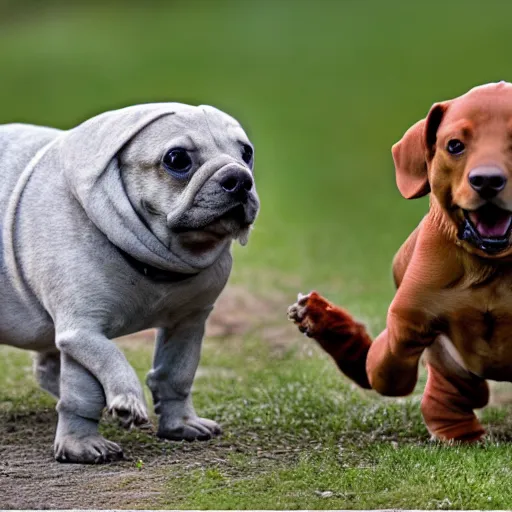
93	449
129	410
189	429
297	311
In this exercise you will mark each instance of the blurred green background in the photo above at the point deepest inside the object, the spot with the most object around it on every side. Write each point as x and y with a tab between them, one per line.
323	87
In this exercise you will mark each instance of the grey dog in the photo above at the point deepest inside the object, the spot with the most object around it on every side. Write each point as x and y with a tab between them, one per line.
121	224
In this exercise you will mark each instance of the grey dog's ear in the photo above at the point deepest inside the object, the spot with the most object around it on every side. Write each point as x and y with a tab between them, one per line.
413	152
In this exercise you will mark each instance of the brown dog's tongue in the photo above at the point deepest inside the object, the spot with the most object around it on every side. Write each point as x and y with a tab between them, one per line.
489	224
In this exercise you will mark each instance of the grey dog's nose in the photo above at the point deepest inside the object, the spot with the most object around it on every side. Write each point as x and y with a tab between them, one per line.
237	183
487	181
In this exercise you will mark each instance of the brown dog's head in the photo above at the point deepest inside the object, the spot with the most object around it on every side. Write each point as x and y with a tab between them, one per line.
462	153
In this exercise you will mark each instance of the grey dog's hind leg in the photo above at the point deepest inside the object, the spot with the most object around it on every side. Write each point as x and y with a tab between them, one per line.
80	406
175	363
47	371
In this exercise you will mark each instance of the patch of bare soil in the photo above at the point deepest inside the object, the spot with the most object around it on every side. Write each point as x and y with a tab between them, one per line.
239	312
501	393
30	477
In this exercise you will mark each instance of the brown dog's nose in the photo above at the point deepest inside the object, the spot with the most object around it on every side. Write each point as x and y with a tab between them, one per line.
237	183
487	181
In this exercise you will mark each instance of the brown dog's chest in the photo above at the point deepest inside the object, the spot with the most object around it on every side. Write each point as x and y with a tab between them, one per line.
478	320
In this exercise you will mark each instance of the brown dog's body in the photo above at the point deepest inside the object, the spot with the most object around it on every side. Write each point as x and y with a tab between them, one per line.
453	274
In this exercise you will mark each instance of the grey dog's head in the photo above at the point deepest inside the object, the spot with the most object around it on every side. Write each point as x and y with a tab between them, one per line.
189	177
168	183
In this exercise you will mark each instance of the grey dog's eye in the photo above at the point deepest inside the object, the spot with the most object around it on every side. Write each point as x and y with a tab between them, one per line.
247	153
455	147
177	161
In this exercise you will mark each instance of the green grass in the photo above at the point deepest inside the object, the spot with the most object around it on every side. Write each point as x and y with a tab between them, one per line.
299	436
402	477
324	89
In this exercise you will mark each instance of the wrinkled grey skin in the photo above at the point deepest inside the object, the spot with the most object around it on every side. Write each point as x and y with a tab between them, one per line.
73	204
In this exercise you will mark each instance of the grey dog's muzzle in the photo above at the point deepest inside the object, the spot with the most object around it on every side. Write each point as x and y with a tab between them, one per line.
198	180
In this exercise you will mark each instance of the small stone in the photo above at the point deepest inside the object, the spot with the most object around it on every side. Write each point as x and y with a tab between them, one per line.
324	494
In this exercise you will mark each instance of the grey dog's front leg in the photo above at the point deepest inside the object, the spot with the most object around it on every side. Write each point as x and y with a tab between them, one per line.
103	359
80	406
175	363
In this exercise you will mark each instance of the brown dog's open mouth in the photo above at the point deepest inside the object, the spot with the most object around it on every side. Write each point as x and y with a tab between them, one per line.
488	228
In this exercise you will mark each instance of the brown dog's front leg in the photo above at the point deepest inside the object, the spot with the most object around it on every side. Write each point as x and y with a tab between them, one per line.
371	365
448	403
393	371
344	339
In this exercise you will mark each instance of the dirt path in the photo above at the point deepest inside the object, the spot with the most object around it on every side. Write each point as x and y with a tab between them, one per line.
30	477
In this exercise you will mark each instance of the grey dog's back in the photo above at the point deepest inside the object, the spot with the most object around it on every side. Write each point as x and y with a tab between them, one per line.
18	145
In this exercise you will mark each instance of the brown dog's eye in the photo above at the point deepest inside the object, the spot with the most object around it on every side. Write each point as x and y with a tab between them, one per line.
455	147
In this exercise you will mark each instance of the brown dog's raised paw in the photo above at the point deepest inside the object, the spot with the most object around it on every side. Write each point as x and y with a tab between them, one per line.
298	310
336	332
303	314
315	315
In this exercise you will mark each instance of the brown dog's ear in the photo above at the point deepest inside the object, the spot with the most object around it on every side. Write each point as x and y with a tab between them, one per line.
415	149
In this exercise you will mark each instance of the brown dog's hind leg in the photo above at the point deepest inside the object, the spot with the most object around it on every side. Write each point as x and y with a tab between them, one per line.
448	403
344	339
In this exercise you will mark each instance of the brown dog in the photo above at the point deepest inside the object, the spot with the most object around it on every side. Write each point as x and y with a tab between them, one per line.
453	274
